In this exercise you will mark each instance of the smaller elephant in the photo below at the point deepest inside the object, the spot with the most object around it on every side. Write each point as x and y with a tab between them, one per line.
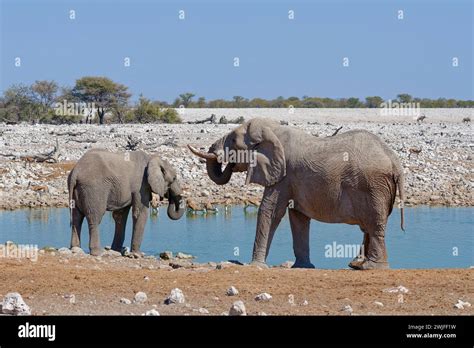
104	181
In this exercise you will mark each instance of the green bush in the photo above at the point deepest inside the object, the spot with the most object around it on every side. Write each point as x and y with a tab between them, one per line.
148	112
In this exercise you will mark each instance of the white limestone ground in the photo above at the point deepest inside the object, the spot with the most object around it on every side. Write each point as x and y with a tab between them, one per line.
441	174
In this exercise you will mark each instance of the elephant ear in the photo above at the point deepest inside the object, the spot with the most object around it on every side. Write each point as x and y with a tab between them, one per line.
155	176
269	166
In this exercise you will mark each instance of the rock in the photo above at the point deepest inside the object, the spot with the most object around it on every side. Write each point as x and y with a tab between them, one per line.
287	264
125	251
13	304
377	303
204	193
399	288
262	314
184	256
111	253
64	251
152	312
305	303
77	250
203	311
264	297
166	255
125	301
176	296
347	309
146	278
237	309
180	264
140	297
232	291
461	304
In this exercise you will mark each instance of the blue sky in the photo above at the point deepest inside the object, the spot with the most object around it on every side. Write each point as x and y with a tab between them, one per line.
278	56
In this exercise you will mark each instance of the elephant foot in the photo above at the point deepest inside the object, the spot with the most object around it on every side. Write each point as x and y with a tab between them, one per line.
369	264
117	248
97	251
258	264
136	255
302	264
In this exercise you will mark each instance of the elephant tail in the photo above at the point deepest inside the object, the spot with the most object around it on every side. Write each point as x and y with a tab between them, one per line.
401	194
71	184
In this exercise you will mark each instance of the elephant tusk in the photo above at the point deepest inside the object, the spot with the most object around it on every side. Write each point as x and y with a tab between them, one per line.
205	155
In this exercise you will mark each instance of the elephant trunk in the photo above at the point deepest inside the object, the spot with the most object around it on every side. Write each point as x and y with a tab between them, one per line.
176	205
213	166
214	170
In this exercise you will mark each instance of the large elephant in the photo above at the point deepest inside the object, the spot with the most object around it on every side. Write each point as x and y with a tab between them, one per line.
349	178
104	181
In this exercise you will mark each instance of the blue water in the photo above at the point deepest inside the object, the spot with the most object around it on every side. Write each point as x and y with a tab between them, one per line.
434	237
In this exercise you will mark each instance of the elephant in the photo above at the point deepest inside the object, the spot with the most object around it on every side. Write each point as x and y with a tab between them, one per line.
104	181
349	178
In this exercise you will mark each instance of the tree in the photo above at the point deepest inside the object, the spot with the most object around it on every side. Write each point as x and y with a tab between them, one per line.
20	104
201	102
239	102
186	99
354	103
373	102
259	103
108	96
45	92
404	98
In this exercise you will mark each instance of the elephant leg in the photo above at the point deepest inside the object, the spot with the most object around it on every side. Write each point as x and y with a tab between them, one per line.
94	240
120	217
300	230
139	221
376	257
270	213
77	219
364	248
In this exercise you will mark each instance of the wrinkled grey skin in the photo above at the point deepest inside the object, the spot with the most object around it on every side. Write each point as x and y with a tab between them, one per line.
350	178
104	181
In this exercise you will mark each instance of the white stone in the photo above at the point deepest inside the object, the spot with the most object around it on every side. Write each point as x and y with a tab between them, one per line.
77	250
347	308
140	297
125	301
111	253
64	251
152	312
181	255
397	289
176	296
13	304
377	303
237	309
203	311
232	291
264	297
461	304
